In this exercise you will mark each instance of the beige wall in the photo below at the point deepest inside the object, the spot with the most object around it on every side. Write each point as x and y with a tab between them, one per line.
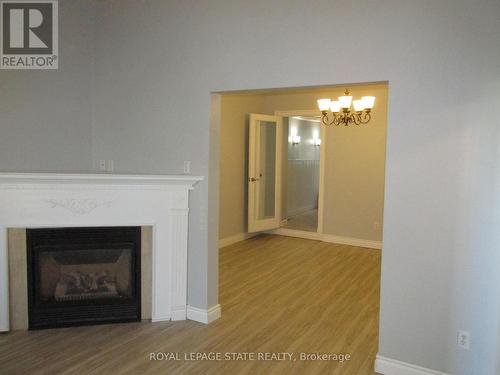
355	174
355	161
233	161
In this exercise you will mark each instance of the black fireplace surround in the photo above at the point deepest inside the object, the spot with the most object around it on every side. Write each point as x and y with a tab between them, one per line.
83	276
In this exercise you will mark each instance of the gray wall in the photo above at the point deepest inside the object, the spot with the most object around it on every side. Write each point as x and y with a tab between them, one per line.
157	62
45	115
302	167
305	130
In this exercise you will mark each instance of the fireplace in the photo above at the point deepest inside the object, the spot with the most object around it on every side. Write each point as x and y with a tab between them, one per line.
82	276
40	200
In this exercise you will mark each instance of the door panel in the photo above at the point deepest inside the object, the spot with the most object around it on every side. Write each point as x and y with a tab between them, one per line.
264	172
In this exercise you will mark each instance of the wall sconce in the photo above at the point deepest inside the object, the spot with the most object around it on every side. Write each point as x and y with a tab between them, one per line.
295	139
316	140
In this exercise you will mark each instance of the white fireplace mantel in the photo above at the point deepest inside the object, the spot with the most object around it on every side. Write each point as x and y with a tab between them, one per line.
34	200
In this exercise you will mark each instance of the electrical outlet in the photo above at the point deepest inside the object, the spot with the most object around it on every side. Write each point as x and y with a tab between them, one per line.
187	167
463	339
102	165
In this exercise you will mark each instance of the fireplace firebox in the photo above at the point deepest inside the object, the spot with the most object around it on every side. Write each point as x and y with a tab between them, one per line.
82	276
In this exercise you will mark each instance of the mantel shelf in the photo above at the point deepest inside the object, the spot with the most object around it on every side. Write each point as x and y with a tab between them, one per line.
98	178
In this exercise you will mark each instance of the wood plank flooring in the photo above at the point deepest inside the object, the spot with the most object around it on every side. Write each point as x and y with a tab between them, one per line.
307	221
278	294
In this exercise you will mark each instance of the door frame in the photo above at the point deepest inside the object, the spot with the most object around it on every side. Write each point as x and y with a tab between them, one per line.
255	225
322	164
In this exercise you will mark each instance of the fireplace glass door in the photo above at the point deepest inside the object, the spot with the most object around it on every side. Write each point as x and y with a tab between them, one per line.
87	274
83	275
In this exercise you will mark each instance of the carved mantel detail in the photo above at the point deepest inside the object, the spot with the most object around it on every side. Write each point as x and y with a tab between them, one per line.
78	206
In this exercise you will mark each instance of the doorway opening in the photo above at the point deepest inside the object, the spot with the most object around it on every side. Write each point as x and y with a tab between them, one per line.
302	188
284	174
283	171
302	173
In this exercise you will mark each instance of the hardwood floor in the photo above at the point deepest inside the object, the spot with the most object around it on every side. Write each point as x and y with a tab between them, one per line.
278	294
307	221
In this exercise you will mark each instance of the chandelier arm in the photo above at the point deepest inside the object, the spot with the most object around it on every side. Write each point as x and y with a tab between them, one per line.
340	120
365	118
335	120
356	118
324	120
345	120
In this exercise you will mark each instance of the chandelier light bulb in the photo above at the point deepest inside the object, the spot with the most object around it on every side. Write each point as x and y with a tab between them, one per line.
345	101
324	104
335	106
359	105
368	101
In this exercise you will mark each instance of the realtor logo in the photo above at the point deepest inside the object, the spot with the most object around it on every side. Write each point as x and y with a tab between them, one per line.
29	37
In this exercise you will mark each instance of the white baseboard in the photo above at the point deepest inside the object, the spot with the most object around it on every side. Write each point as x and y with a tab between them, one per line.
307	235
297	233
236	238
161	318
328	238
351	241
388	366
178	313
202	315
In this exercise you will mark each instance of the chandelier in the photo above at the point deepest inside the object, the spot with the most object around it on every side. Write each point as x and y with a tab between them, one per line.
336	112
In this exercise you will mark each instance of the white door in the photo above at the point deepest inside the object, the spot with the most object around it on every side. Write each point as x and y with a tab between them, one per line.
264	172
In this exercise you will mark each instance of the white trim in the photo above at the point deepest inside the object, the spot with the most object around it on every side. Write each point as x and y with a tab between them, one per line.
223	242
358	242
299	112
305	118
388	366
178	313
352	241
202	315
96	178
4	282
296	233
254	223
161	318
322	174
